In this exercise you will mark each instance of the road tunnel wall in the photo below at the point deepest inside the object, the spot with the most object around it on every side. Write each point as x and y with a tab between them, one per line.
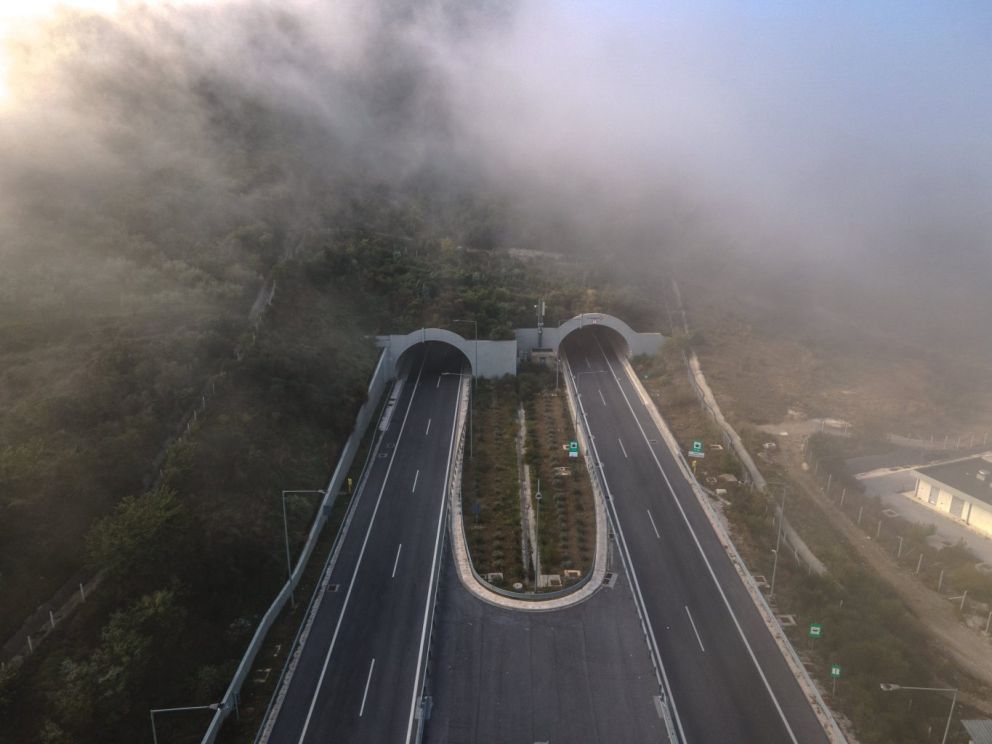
530	341
488	359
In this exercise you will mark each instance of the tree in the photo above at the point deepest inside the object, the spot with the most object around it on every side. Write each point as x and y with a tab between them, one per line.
99	690
143	539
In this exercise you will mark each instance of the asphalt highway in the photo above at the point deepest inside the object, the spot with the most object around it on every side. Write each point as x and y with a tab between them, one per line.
361	663
581	675
725	673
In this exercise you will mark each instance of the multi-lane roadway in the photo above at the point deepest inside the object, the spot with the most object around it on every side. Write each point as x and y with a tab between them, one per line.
583	674
363	658
727	678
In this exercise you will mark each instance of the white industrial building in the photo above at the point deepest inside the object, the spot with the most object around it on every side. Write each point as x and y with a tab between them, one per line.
961	489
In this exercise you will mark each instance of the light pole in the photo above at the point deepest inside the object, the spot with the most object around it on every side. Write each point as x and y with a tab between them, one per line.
537	538
285	532
778	543
889	687
475	375
153	711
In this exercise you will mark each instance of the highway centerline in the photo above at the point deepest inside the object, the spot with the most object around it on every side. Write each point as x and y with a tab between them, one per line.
623	449
397	561
415	477
361	554
428	608
367	683
702	553
628	564
694	629
428	427
653	525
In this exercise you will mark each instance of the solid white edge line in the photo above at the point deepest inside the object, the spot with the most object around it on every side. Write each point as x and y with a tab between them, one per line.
397	561
623	449
695	629
656	533
416	477
699	547
642	610
367	683
430	585
331	564
361	553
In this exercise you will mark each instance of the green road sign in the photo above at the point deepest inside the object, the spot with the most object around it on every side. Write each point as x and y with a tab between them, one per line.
697	446
815	630
573	449
835	670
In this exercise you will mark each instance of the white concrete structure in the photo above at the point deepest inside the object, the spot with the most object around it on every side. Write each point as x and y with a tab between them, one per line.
494	359
961	489
530	341
487	358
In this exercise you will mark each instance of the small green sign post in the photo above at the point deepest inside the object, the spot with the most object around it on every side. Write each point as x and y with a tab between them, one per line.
697	450
573	449
834	676
815	631
697	446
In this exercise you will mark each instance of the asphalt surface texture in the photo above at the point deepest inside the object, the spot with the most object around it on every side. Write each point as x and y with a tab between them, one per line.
357	675
581	675
727	677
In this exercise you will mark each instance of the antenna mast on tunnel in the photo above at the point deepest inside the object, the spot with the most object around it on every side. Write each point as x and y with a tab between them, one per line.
540	323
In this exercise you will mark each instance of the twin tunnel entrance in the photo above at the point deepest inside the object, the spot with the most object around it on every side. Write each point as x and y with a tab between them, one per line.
494	359
445	357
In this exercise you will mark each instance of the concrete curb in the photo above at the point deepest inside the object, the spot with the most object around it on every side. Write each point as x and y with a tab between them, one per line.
792	538
459	547
812	693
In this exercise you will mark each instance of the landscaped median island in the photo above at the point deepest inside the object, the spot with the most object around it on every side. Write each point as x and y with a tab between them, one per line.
522	431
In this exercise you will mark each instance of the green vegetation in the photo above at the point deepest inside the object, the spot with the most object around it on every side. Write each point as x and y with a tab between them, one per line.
201	528
491	486
952	567
866	627
567	526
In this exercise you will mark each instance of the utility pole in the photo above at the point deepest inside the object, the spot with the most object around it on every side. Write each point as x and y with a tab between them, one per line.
153	711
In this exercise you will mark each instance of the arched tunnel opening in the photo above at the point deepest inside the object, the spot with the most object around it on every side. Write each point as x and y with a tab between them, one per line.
592	342
432	358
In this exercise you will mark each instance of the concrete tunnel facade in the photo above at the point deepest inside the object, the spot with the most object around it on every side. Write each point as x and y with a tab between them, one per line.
495	359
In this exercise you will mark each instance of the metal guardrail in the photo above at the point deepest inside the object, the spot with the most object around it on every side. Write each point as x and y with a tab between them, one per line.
761	603
300	639
457	456
229	701
599	481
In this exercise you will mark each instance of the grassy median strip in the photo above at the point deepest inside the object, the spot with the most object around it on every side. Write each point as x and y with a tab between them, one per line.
491	491
567	524
491	487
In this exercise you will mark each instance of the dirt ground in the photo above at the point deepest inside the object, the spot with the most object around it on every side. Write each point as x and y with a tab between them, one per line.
760	372
970	651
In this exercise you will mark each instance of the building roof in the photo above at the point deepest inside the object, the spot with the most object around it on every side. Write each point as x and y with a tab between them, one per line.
980	731
971	477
